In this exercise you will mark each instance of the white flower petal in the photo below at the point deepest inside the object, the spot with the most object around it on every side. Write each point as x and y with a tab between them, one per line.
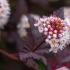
4	12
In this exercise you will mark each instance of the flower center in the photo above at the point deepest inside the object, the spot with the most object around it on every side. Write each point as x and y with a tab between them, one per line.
55	28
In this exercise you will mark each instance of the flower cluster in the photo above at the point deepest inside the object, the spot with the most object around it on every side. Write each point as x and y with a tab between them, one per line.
4	12
23	25
56	31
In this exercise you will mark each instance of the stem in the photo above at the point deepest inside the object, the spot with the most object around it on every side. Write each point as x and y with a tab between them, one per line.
38	46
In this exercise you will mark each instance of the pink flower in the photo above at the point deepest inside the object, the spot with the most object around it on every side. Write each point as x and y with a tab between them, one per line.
63	68
56	31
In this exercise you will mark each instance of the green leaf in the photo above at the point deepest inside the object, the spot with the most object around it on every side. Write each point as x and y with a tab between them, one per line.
41	65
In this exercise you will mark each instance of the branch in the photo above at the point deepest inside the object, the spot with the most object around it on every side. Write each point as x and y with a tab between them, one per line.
11	56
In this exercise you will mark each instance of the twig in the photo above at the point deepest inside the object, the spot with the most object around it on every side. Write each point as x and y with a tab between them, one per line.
11	56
